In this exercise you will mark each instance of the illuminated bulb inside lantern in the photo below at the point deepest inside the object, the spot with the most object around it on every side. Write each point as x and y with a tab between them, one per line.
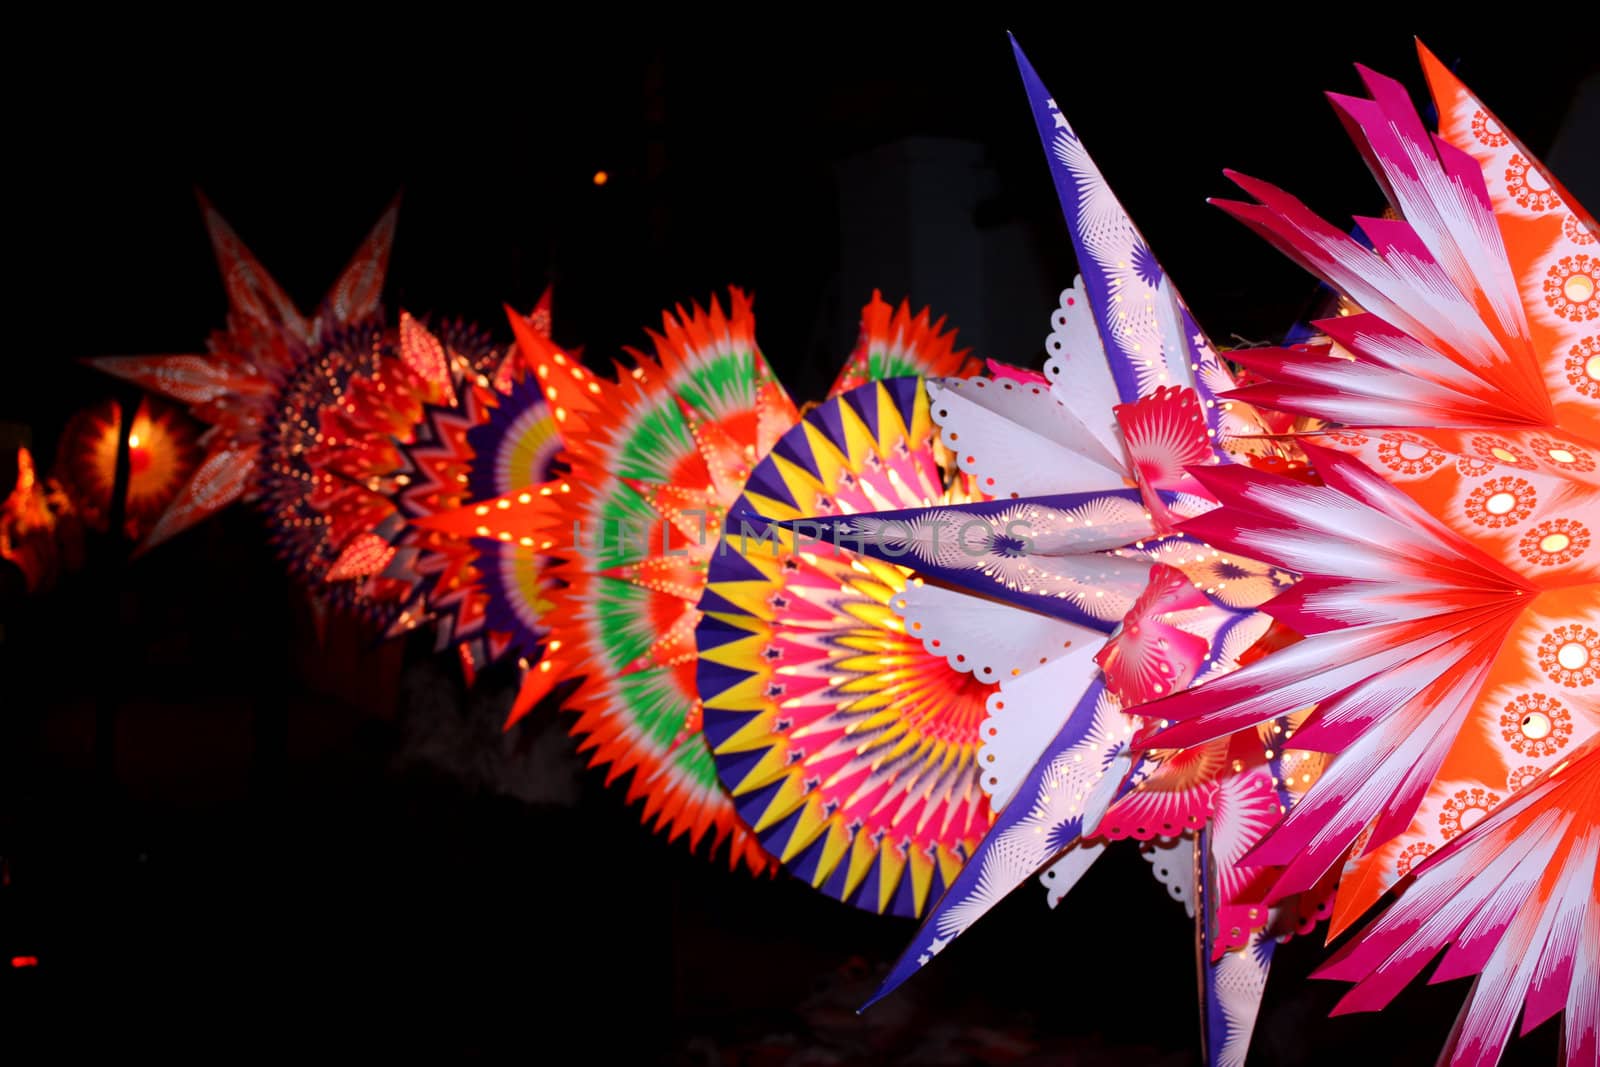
1500	503
133	440
1504	455
1536	726
1592	368
1562	455
1579	288
1556	542
1572	656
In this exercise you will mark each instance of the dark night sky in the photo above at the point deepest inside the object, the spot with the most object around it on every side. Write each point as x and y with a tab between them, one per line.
721	139
259	873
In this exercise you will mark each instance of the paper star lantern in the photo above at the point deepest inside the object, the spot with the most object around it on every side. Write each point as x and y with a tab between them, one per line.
334	444
1452	593
1074	592
497	436
649	457
653	461
1513	901
235	386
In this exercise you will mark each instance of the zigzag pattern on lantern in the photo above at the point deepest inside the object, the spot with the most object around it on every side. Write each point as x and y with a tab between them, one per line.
452	456
436	460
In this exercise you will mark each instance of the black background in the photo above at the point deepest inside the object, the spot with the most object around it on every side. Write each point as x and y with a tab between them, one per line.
270	863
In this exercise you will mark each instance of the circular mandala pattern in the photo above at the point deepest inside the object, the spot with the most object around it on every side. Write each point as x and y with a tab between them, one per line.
1522	777
1576	232
1406	453
849	747
1570	655
1554	541
1536	725
1499	450
1464	810
1583	367
1413	855
1501	502
1528	187
1564	454
1570	288
1488	131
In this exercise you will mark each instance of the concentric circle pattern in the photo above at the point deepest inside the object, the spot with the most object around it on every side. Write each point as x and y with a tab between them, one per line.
849	748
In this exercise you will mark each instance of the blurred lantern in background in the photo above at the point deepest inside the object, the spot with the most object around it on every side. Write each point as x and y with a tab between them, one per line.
38	531
162	451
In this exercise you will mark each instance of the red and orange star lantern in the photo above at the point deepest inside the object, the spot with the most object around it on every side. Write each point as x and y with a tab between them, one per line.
235	387
496	435
330	455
